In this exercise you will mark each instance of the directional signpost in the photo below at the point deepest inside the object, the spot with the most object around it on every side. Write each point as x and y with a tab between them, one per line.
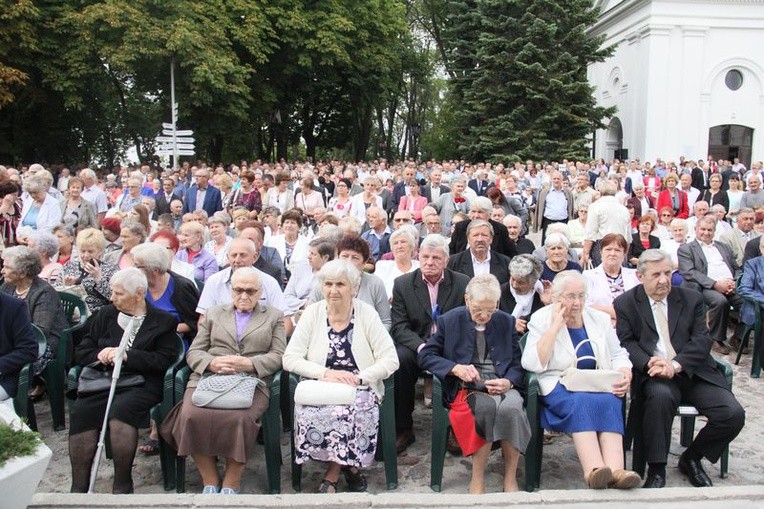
173	141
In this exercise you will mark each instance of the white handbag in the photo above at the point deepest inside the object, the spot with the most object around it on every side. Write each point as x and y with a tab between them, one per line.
318	393
589	380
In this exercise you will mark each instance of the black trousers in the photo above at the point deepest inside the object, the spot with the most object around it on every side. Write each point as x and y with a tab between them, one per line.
719	313
405	386
546	222
660	401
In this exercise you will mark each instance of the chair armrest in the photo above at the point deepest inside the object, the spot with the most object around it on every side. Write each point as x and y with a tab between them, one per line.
181	379
725	369
72	381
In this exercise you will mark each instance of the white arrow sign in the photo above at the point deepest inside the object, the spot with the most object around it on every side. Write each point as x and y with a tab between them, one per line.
165	125
182	146
170	152
185	132
170	139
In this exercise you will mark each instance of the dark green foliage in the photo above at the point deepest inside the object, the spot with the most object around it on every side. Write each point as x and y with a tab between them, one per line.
15	443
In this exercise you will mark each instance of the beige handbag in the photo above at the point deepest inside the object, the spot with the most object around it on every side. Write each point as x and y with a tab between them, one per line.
319	393
589	380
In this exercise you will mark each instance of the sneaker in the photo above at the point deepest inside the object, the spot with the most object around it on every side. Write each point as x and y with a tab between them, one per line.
229	491
210	490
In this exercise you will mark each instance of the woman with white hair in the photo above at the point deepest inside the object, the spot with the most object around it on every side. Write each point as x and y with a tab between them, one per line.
403	245
151	341
361	202
524	293
475	353
191	238
218	246
46	245
557	340
556	247
40	211
340	339
453	202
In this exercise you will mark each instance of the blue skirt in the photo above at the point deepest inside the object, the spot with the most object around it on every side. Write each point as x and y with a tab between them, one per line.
573	412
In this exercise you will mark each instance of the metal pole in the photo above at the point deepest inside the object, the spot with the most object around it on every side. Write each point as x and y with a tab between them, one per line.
174	116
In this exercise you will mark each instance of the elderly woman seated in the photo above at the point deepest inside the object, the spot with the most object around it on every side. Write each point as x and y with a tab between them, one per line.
299	288
242	337
89	271
557	340
524	293
403	244
21	269
191	238
340	340
46	246
151	340
556	247
476	354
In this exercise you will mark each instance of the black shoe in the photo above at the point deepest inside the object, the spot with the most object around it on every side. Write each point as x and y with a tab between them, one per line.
654	481
356	480
403	440
694	471
735	345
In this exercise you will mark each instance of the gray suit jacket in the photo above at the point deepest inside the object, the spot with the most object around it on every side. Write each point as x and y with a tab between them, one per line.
694	267
263	341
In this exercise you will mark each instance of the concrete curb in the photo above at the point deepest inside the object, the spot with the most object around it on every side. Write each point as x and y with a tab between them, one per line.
731	497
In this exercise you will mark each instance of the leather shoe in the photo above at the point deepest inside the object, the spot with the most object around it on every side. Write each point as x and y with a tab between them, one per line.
735	345
599	478
720	348
624	480
693	469
404	439
654	481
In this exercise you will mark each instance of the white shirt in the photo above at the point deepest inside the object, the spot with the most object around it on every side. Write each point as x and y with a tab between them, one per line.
97	197
692	196
217	290
480	268
717	268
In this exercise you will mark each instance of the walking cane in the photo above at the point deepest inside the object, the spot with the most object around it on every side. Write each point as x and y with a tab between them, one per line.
114	377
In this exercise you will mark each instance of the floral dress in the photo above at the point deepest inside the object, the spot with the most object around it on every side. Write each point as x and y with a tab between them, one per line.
344	434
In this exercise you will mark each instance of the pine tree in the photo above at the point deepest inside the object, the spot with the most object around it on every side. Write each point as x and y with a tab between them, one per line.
519	76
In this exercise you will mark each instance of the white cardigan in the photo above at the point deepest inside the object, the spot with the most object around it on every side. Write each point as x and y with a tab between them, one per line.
599	290
607	349
372	348
299	253
48	217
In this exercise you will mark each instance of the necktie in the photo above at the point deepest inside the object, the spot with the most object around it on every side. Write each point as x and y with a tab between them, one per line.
662	323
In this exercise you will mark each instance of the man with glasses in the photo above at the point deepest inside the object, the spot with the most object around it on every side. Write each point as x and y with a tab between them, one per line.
201	195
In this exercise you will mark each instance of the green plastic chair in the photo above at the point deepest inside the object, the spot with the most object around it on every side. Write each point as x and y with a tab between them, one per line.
686	413
158	412
271	434
385	445
22	404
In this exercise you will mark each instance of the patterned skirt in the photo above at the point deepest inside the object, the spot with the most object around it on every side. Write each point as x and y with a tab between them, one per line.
344	434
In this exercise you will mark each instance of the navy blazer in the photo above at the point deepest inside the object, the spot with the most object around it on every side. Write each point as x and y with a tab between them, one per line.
453	344
212	200
752	287
18	345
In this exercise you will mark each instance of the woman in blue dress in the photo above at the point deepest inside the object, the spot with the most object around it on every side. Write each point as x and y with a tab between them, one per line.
557	337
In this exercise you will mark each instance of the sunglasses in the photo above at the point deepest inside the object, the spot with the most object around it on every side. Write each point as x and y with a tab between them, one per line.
249	291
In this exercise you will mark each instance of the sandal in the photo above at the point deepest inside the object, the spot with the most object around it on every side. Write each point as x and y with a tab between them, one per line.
327	485
356	480
149	447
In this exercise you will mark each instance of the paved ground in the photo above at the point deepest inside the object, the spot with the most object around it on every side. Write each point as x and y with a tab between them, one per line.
561	470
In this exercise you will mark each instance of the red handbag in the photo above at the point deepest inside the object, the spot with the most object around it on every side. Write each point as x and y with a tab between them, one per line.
463	423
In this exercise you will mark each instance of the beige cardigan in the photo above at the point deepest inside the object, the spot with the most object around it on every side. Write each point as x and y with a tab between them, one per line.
372	348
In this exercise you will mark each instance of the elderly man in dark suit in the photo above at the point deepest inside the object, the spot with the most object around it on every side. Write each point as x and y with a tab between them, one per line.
664	330
480	183
479	258
709	267
434	189
18	345
481	208
419	297
165	198
202	195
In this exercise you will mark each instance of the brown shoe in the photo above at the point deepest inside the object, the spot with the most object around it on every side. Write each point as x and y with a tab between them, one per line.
735	345
404	439
720	348
599	478
624	480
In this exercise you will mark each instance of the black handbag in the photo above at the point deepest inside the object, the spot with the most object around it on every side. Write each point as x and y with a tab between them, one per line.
96	377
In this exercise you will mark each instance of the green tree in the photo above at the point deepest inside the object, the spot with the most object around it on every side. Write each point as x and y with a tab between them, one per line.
519	77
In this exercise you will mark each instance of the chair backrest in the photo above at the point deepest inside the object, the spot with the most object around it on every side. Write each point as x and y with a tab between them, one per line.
72	303
180	353
42	342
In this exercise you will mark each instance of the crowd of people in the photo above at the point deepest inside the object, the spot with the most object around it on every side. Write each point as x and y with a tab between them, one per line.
353	273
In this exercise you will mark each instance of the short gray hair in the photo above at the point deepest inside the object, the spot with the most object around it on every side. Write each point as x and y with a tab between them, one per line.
135	228
220	217
45	243
34	184
483	203
525	266
562	279
709	218
479	223
719	208
483	287
556	239
131	280
244	272
408	232
23	259
651	256
607	188
153	256
512	218
340	269
435	241
679	222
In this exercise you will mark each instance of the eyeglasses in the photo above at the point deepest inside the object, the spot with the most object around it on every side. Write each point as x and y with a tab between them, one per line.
572	297
249	291
665	215
482	311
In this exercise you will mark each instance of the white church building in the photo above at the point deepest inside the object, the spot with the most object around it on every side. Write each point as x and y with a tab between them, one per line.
686	77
